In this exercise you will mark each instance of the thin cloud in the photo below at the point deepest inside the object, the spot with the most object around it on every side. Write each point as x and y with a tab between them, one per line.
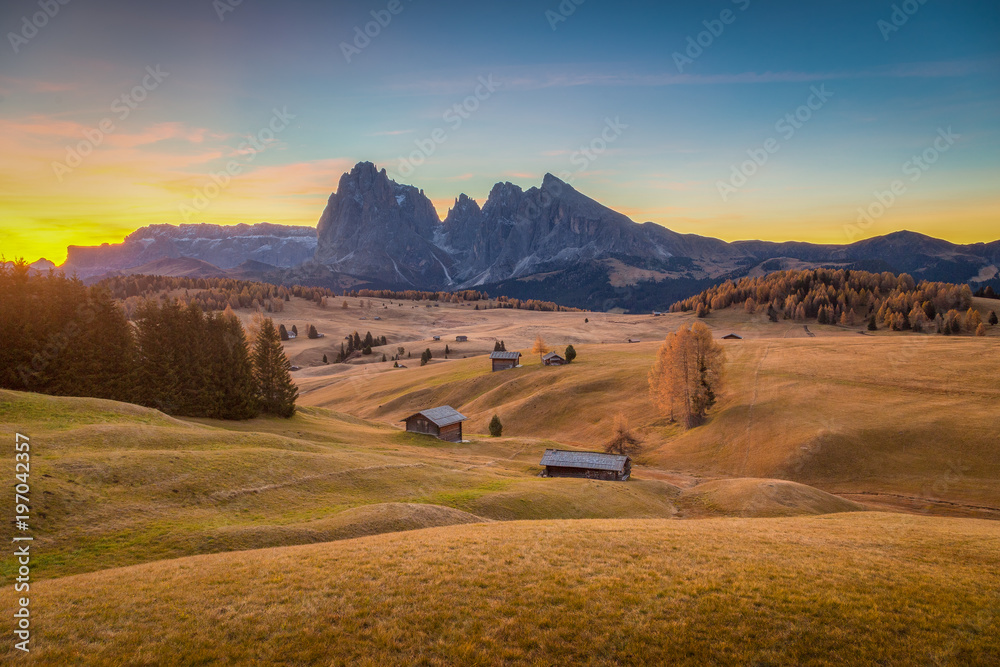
390	133
534	80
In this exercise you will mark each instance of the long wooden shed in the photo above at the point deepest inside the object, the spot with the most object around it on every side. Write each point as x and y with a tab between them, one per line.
553	359
444	422
589	465
504	360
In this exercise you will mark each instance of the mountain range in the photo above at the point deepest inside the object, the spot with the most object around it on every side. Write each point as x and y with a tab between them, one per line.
549	242
224	247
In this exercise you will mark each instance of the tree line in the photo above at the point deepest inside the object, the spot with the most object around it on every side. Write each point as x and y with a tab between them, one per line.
64	338
850	298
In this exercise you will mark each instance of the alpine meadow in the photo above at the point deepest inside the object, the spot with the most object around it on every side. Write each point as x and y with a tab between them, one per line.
532	333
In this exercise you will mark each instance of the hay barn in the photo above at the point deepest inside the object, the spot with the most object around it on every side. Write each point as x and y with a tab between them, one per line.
503	361
553	359
589	465
444	423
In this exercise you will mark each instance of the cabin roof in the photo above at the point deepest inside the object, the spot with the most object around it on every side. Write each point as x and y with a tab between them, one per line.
553	355
441	416
501	354
589	460
732	336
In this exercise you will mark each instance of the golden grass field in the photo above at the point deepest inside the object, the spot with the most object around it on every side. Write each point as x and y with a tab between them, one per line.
335	537
867	588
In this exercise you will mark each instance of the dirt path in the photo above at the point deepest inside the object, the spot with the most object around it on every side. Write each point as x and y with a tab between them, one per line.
917	505
235	493
753	402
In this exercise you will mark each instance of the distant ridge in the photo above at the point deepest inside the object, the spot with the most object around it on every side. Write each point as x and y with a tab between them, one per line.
549	242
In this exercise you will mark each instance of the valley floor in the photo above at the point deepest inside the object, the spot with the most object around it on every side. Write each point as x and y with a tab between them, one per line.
828	490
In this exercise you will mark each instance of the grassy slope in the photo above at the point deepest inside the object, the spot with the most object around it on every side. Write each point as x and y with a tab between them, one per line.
848	589
115	484
891	414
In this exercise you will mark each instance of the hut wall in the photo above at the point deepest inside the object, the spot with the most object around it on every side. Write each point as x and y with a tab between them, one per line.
421	425
584	473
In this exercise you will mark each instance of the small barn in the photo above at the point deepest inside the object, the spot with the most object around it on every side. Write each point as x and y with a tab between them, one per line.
589	465
553	359
634	340
436	338
444	423
732	336
461	339
503	361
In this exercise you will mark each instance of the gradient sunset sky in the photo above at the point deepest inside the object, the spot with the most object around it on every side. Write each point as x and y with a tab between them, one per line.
889	91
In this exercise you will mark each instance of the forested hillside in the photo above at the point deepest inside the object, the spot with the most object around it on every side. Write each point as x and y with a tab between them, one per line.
61	337
850	298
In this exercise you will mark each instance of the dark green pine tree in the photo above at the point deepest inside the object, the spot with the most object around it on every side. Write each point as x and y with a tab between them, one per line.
570	354
496	427
114	374
872	324
276	391
369	341
283	332
993	318
234	387
158	385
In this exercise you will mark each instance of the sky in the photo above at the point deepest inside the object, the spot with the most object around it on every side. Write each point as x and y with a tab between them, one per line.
813	121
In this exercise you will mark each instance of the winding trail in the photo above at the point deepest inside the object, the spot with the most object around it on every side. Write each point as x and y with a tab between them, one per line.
235	493
753	402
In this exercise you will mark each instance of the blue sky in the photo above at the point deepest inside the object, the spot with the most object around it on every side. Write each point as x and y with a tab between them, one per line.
680	132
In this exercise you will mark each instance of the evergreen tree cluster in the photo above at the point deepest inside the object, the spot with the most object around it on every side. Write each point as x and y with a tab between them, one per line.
58	336
845	297
356	343
211	293
63	338
463	296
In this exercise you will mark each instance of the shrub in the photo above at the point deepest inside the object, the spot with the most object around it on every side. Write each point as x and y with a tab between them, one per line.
496	428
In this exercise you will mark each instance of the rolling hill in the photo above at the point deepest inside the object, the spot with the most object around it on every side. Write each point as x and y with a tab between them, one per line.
855	588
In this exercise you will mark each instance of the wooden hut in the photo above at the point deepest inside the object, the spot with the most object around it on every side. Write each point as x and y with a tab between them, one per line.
461	339
589	465
444	423
732	336
503	361
553	359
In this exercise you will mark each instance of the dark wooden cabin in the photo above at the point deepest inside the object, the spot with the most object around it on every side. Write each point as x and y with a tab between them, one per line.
503	361
732	336
444	423
553	359
589	465
461	339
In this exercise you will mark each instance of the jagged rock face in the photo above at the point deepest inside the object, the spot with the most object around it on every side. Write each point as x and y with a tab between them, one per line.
390	233
225	246
373	226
